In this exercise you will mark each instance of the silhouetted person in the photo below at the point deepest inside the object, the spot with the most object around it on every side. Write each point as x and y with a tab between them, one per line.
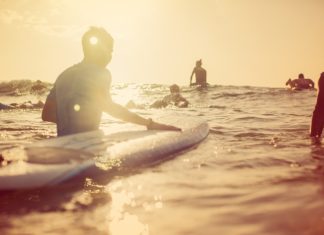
82	92
174	98
300	83
318	114
200	74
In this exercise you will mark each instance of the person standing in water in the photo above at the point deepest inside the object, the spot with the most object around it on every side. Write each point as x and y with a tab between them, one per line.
82	92
200	74
318	113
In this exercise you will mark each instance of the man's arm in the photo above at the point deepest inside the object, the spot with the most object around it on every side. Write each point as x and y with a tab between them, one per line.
294	83
288	82
124	114
193	71
120	112
184	100
311	83
49	109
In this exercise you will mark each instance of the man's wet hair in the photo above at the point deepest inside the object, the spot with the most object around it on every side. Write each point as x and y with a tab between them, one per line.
104	40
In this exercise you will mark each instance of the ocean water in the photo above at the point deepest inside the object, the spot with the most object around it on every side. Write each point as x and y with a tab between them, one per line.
257	172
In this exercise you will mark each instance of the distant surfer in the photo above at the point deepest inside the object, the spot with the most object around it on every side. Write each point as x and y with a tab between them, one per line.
174	98
318	113
25	105
300	83
200	74
82	92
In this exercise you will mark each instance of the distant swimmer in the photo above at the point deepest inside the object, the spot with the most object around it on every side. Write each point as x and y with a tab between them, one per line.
301	83
38	87
318	113
174	98
82	92
200	74
25	105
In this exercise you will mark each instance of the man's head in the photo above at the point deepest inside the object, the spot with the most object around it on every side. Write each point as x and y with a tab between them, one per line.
198	63
97	46
174	88
301	76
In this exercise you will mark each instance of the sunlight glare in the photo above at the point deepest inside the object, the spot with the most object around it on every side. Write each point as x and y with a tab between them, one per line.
126	93
76	108
121	221
93	40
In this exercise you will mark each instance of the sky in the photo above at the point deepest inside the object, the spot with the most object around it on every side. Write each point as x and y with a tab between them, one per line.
240	42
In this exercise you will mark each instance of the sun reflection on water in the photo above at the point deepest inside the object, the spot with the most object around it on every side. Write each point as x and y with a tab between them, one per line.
121	221
123	93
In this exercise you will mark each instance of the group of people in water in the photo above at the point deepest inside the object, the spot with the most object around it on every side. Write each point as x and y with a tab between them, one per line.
175	98
82	92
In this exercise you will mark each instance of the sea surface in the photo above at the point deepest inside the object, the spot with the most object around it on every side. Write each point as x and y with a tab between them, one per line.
256	173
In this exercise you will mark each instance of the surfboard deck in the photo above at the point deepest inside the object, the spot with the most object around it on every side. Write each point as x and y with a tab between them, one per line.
53	161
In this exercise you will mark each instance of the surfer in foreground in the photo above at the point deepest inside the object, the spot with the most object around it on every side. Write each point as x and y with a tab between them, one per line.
200	74
82	92
318	114
301	83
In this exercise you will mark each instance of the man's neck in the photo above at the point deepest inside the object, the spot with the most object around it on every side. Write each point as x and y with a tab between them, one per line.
87	60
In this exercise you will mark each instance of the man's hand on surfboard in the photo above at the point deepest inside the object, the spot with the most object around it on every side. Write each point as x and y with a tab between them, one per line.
159	126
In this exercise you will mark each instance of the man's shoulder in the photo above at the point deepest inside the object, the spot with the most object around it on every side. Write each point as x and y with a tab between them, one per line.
84	69
85	74
104	76
97	71
92	68
167	98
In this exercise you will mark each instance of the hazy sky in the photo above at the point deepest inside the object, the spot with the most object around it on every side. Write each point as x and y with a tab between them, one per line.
241	42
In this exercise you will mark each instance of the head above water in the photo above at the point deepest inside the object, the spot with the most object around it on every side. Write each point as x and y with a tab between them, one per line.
301	76
97	46
174	88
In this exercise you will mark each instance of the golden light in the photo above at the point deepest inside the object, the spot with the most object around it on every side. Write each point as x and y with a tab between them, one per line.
122	221
76	108
93	40
127	93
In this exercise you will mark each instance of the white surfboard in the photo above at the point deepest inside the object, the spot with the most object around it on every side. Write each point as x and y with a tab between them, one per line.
51	162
